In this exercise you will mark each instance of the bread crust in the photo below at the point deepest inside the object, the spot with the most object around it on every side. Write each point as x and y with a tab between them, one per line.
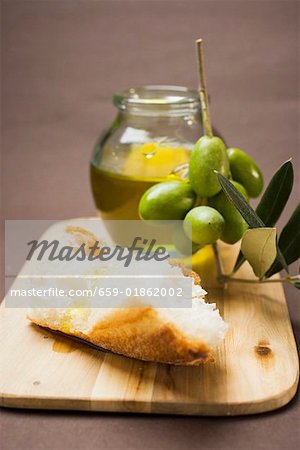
139	333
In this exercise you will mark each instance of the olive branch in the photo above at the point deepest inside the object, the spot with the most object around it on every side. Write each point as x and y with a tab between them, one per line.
260	247
266	254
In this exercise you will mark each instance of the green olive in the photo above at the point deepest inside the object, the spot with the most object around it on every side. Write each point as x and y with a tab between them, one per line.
182	243
203	225
170	200
245	170
209	155
235	225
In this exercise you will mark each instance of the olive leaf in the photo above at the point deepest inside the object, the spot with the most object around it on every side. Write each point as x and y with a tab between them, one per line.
289	242
240	203
296	284
248	213
239	261
273	200
259	248
276	195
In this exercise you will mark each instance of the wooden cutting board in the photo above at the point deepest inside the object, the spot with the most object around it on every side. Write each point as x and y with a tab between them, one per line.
256	368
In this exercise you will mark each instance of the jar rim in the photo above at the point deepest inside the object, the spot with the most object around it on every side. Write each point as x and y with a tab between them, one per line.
163	97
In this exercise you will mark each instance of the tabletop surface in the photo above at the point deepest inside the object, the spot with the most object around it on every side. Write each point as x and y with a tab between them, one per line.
61	63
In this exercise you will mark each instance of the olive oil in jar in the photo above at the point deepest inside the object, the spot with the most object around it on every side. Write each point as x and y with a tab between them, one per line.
117	194
153	133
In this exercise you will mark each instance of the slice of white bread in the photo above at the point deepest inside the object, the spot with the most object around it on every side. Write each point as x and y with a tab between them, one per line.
184	336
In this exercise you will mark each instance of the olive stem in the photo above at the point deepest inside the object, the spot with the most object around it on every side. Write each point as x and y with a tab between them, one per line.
229	279
202	89
220	271
224	279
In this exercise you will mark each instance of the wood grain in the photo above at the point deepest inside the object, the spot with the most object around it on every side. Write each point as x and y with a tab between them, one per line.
256	368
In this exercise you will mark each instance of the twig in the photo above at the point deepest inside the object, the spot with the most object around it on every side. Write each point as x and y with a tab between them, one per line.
229	279
220	271
202	89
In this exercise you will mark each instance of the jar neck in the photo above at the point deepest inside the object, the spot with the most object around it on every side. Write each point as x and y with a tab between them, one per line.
136	119
158	101
161	112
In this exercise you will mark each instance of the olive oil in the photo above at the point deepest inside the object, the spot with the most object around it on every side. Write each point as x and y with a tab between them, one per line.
117	192
62	347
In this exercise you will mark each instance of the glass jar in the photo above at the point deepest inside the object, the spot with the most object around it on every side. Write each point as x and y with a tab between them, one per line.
153	133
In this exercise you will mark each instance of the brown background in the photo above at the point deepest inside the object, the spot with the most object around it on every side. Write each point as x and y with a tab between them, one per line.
62	60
